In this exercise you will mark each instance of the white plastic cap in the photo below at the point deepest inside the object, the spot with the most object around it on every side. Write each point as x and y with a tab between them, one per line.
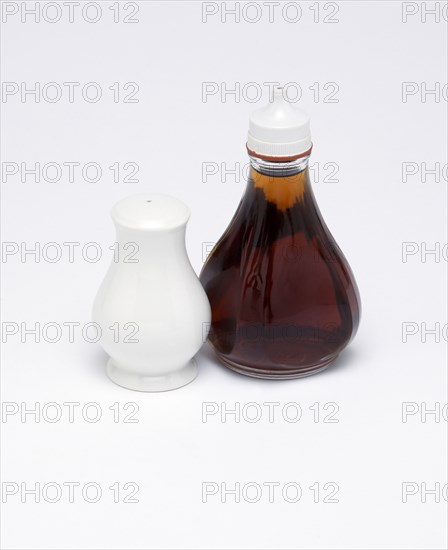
279	129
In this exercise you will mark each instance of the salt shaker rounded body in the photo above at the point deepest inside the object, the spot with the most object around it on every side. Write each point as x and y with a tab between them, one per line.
153	312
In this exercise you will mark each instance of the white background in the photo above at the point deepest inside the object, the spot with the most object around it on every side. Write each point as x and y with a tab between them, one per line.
170	132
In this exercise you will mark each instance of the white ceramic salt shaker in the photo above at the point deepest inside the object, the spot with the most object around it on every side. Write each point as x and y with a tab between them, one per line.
153	312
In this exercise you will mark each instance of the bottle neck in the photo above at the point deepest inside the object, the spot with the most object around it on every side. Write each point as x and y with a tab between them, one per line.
282	183
279	169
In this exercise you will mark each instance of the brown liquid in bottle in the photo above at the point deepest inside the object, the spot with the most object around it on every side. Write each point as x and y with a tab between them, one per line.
284	300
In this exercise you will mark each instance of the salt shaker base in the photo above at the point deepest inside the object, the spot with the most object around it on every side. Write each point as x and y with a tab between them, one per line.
138	382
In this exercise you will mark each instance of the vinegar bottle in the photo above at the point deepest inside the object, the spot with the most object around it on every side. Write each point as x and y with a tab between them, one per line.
284	300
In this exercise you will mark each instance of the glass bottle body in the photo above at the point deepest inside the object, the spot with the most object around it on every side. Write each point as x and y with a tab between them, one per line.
284	300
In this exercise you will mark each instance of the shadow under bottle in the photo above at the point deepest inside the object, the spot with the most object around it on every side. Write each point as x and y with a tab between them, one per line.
284	300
